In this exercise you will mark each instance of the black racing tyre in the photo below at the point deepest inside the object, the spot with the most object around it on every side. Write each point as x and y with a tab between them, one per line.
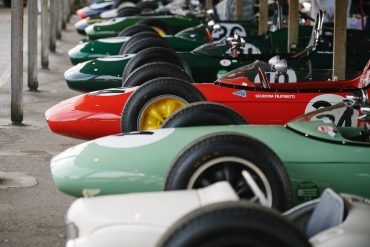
128	11
130	31
135	38
152	5
154	70
157	23
237	224
146	43
156	93
223	157
155	54
117	3
204	114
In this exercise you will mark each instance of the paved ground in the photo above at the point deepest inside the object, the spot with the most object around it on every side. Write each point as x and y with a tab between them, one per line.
32	216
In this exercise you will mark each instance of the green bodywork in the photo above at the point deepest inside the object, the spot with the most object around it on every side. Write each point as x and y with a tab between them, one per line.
111	28
190	39
138	162
185	40
210	61
81	25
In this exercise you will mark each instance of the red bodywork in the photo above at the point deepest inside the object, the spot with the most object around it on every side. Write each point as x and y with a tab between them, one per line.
81	13
98	114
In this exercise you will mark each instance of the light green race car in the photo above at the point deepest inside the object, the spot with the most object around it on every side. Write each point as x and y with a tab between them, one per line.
288	164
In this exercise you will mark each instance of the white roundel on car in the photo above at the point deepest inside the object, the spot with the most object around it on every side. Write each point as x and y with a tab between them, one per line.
323	100
326	100
134	139
247	49
228	30
290	76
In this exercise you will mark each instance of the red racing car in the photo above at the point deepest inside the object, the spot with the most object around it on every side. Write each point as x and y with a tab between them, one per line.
273	101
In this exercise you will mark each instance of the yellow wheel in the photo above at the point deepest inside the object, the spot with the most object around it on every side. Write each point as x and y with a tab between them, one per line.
155	101
160	31
157	110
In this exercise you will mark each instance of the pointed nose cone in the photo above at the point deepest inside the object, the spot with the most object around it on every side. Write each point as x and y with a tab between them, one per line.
87	116
82	13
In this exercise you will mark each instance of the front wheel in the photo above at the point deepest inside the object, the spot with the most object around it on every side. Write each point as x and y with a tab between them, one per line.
137	28
154	70
251	168
155	54
156	100
146	43
135	38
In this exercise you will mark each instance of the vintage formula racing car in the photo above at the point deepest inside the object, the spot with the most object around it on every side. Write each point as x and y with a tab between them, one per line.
191	38
112	27
292	163
185	40
95	9
210	61
99	113
109	220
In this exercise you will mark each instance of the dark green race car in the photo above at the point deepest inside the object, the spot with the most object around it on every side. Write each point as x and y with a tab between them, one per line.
210	61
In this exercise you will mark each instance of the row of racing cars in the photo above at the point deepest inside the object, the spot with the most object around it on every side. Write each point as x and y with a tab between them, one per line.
256	158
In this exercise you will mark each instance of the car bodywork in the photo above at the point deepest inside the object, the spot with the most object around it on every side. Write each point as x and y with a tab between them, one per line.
316	152
113	220
94	9
111	28
98	113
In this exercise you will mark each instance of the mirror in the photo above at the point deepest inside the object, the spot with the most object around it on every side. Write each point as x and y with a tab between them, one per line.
211	23
210	15
273	28
235	43
274	60
358	98
366	112
216	26
281	67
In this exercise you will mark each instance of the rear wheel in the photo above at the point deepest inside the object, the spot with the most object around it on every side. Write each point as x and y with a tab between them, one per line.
161	27
251	168
144	5
156	100
135	38
155	54
154	70
130	31
128	11
236	224
203	114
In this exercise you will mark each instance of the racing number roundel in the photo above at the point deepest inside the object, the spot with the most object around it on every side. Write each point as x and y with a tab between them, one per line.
341	116
134	139
228	30
290	77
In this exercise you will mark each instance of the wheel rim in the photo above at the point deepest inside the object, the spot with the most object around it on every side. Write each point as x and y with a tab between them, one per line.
160	31
230	169
157	110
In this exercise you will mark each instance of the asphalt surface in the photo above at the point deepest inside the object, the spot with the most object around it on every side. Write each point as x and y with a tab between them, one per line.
32	216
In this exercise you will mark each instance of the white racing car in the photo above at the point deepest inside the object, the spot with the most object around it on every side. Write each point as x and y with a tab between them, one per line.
136	220
189	218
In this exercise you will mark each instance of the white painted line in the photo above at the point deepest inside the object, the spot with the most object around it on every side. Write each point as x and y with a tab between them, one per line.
5	76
